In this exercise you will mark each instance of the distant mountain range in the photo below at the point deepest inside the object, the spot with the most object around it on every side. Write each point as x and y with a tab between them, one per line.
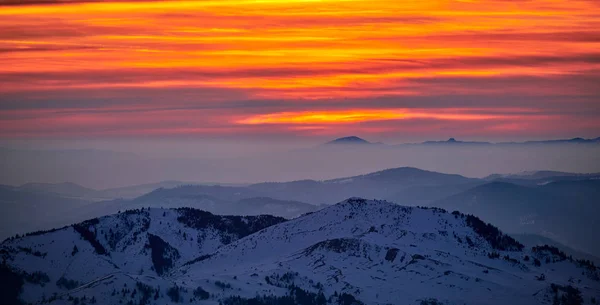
539	177
573	140
453	141
102	170
565	211
559	205
405	185
76	191
355	252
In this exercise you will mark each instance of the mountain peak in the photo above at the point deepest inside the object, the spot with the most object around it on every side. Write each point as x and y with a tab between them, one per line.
361	249
349	140
454	141
358	201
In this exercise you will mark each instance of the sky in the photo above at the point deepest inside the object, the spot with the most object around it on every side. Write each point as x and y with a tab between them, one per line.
270	69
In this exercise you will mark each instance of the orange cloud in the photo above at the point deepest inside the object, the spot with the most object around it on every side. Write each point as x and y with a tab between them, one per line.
293	51
361	115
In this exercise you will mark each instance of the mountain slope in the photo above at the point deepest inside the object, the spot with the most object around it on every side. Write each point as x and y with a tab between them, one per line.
351	140
356	251
531	240
404	185
389	184
537	178
73	190
453	141
136	243
408	186
534	175
134	191
215	199
565	211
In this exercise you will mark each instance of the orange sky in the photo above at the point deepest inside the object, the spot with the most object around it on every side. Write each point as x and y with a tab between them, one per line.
472	68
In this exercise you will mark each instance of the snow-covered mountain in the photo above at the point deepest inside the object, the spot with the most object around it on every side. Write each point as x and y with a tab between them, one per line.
129	245
23	211
354	252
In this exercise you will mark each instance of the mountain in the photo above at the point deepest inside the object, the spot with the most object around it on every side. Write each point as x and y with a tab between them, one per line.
36	207
540	175
453	141
585	192
228	193
409	186
566	141
565	211
42	206
215	199
136	243
532	240
540	178
348	140
266	205
30	206
73	190
354	252
403	184
141	189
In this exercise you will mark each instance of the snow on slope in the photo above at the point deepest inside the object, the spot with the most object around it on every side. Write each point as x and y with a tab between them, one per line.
374	252
137	243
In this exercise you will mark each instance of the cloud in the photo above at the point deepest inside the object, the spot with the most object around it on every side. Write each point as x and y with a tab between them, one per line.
57	2
186	67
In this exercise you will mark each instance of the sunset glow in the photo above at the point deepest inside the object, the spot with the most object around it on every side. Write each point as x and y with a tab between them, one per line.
360	115
231	66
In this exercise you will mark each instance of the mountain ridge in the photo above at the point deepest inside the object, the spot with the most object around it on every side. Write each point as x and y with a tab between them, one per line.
561	210
350	140
405	185
454	141
363	250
